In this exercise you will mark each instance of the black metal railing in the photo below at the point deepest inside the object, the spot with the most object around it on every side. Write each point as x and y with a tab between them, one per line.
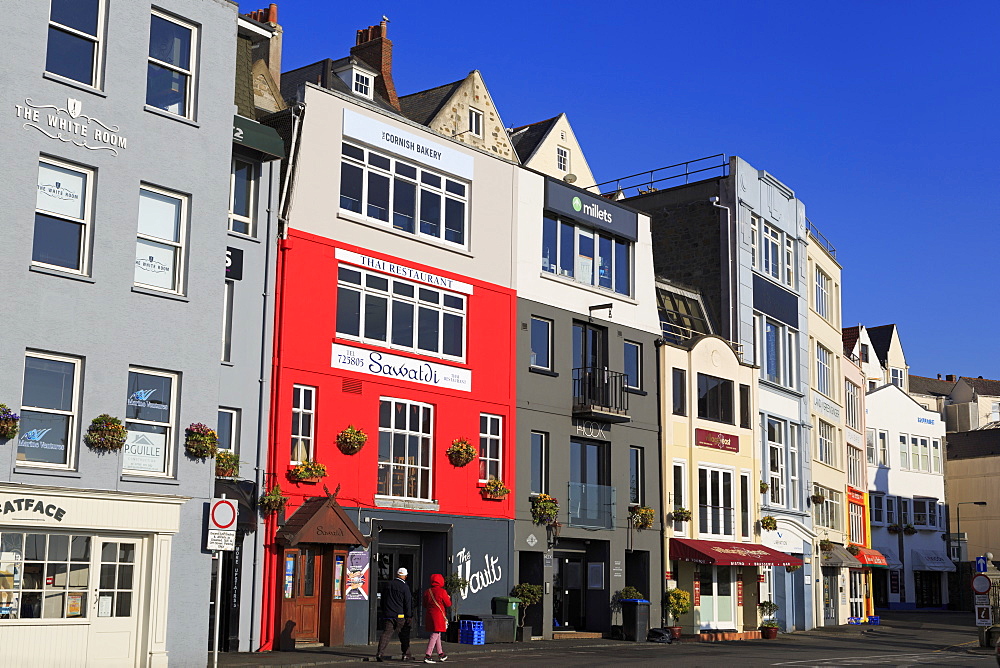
821	238
598	392
655	179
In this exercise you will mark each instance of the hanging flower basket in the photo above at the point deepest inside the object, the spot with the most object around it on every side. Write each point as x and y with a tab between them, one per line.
544	509
642	517
307	472
768	523
494	490
854	550
351	440
826	545
200	441
681	515
894	528
105	433
909	529
8	423
764	487
227	464
461	452
273	501
817	499
793	568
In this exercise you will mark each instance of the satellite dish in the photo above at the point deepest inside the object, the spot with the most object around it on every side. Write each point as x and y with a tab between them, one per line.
570	178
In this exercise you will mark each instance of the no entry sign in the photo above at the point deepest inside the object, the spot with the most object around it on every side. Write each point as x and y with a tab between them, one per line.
222	516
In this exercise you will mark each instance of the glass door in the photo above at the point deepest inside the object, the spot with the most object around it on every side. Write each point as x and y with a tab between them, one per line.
830	594
116	602
718	602
857	594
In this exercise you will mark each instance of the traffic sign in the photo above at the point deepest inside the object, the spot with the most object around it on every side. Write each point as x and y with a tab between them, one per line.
981	599
981	583
222	515
984	615
980	564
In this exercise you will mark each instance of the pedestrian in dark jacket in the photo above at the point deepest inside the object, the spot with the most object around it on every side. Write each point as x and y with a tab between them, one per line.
436	599
396	607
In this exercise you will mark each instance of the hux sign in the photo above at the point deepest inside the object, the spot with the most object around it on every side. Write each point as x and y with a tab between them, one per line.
69	124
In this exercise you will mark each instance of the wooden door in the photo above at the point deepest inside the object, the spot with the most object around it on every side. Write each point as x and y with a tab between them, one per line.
116	606
300	591
338	578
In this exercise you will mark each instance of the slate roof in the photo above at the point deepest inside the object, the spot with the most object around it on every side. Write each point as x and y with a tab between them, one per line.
881	338
527	137
930	386
423	106
322	74
973	444
851	336
984	386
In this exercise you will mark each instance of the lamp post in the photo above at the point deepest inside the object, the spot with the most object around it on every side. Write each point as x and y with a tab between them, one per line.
958	522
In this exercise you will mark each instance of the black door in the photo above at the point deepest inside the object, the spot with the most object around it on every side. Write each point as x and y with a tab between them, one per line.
390	559
568	610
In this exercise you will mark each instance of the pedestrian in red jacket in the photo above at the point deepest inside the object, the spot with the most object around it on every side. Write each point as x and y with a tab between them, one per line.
436	599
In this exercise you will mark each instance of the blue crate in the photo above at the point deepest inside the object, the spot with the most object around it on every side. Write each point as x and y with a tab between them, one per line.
854	620
470	625
471	639
874	620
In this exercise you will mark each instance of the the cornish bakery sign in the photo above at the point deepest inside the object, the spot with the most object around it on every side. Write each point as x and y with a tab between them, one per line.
397	367
69	124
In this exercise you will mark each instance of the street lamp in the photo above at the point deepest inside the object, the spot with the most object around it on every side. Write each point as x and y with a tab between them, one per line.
958	522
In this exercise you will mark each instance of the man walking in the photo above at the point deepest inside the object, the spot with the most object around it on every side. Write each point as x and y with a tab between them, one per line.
396	610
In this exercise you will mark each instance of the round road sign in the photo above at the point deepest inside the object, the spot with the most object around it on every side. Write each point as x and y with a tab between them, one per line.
981	584
223	514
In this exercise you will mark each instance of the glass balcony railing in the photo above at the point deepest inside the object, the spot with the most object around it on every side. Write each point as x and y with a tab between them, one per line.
591	506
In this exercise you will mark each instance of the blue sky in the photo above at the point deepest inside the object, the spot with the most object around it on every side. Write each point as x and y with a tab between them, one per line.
880	115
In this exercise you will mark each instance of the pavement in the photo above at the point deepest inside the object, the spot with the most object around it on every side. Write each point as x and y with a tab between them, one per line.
938	638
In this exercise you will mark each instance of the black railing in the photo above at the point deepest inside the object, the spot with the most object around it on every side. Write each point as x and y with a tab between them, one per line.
600	393
821	238
655	179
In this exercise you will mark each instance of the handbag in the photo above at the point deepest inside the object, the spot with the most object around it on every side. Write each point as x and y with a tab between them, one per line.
441	608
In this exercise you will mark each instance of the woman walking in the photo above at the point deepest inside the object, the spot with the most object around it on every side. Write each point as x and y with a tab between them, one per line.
436	599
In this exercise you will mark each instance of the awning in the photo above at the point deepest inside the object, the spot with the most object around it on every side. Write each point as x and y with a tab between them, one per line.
839	557
890	557
720	553
321	520
258	137
870	557
931	560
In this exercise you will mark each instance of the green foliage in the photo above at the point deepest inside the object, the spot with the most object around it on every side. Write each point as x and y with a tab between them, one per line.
273	501
461	452
351	440
677	602
201	441
227	464
307	470
105	433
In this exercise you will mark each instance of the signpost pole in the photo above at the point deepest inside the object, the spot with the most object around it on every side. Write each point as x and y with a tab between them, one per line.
218	606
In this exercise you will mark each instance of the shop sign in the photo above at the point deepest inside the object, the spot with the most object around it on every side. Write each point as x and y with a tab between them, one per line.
825	407
925	421
144	451
716	440
406	144
855	496
590	429
739	592
893	582
358	563
386	267
591	209
35	506
34	439
70	125
397	367
854	438
696	590
234	264
289	575
491	572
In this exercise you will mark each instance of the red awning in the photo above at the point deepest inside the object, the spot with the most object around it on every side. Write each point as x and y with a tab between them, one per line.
870	557
728	554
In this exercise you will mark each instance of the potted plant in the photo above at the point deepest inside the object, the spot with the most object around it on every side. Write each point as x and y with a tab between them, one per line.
894	528
8	423
642	517
854	550
768	626
792	568
530	594
817	499
273	501
453	584
768	523
826	545
105	433
676	602
309	472
681	515
351	440
494	490
764	487
227	464
544	509
200	441
461	452
909	529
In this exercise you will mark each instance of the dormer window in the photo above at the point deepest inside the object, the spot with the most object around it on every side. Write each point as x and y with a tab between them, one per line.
363	84
358	78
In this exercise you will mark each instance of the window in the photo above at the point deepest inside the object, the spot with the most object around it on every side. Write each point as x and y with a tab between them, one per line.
242	197
227	321
715	502
490	447
159	251
149	419
586	255
871	385
877	501
775	435
898	377
883	448
826	437
229	429
680	493
541	343
363	85
852	405
823	291
904	453
49	401
74	48
745	505
890	510
824	370
171	67
994	411
680	391
475	122
935	456
303	423
857	528
870	446
771	252
855	468
387	311
44	575
778	344
864	352
794	496
915	453
925	461
633	365
715	398
745	409
404	449
754	239
63	210
562	159
114	597
539	462
411	199
681	317
925	513
904	511
636	491
789	262
828	513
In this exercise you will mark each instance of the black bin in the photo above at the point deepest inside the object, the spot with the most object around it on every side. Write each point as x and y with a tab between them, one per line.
500	628
635	619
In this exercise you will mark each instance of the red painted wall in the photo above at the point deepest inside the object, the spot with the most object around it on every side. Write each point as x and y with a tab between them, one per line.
306	308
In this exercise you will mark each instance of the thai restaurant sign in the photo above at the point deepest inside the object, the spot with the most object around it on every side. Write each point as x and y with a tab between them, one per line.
397	367
717	440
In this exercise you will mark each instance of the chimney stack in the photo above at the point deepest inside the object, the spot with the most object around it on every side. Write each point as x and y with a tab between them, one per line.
951	378
375	49
271	54
939	377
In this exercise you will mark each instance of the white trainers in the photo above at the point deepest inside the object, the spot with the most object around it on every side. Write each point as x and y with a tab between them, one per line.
428	659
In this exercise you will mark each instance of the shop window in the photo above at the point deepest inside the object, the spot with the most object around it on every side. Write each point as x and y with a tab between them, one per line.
75	48
541	343
633	365
49	404
405	453
242	196
408	198
715	398
303	423
171	67
680	391
586	255
539	462
63	211
715	502
387	311
490	447
44	575
159	253
635	476
228	429
149	418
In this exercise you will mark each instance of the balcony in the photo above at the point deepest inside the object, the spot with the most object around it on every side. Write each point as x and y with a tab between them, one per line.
599	394
591	506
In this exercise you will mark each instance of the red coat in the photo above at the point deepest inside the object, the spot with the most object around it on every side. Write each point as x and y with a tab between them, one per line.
436	599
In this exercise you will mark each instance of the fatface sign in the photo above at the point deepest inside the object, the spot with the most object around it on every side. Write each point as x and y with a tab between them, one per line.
407	145
717	440
69	124
35	509
397	367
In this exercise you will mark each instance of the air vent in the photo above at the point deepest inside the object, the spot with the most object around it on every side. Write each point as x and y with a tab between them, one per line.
351	386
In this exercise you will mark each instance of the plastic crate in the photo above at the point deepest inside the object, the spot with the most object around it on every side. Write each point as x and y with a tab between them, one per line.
472	638
470	625
854	620
873	620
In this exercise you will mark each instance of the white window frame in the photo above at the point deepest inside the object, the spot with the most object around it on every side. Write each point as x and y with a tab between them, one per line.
904	451
249	221
883	447
754	240
71	432
856	514
679	500
190	73
180	247
771	243
306	440
826	443
531	330
927	517
898	377
234	420
638	363
828	514
852	405
935	455
490	440
746	479
786	347
96	39
543	464
776	462
362	84
475	122
891	514
556	267
824	285
85	222
170	424
562	159
855	467
227	321
876	500
723	473
639	483
870	453
420	466
824	370
793	465
789	277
